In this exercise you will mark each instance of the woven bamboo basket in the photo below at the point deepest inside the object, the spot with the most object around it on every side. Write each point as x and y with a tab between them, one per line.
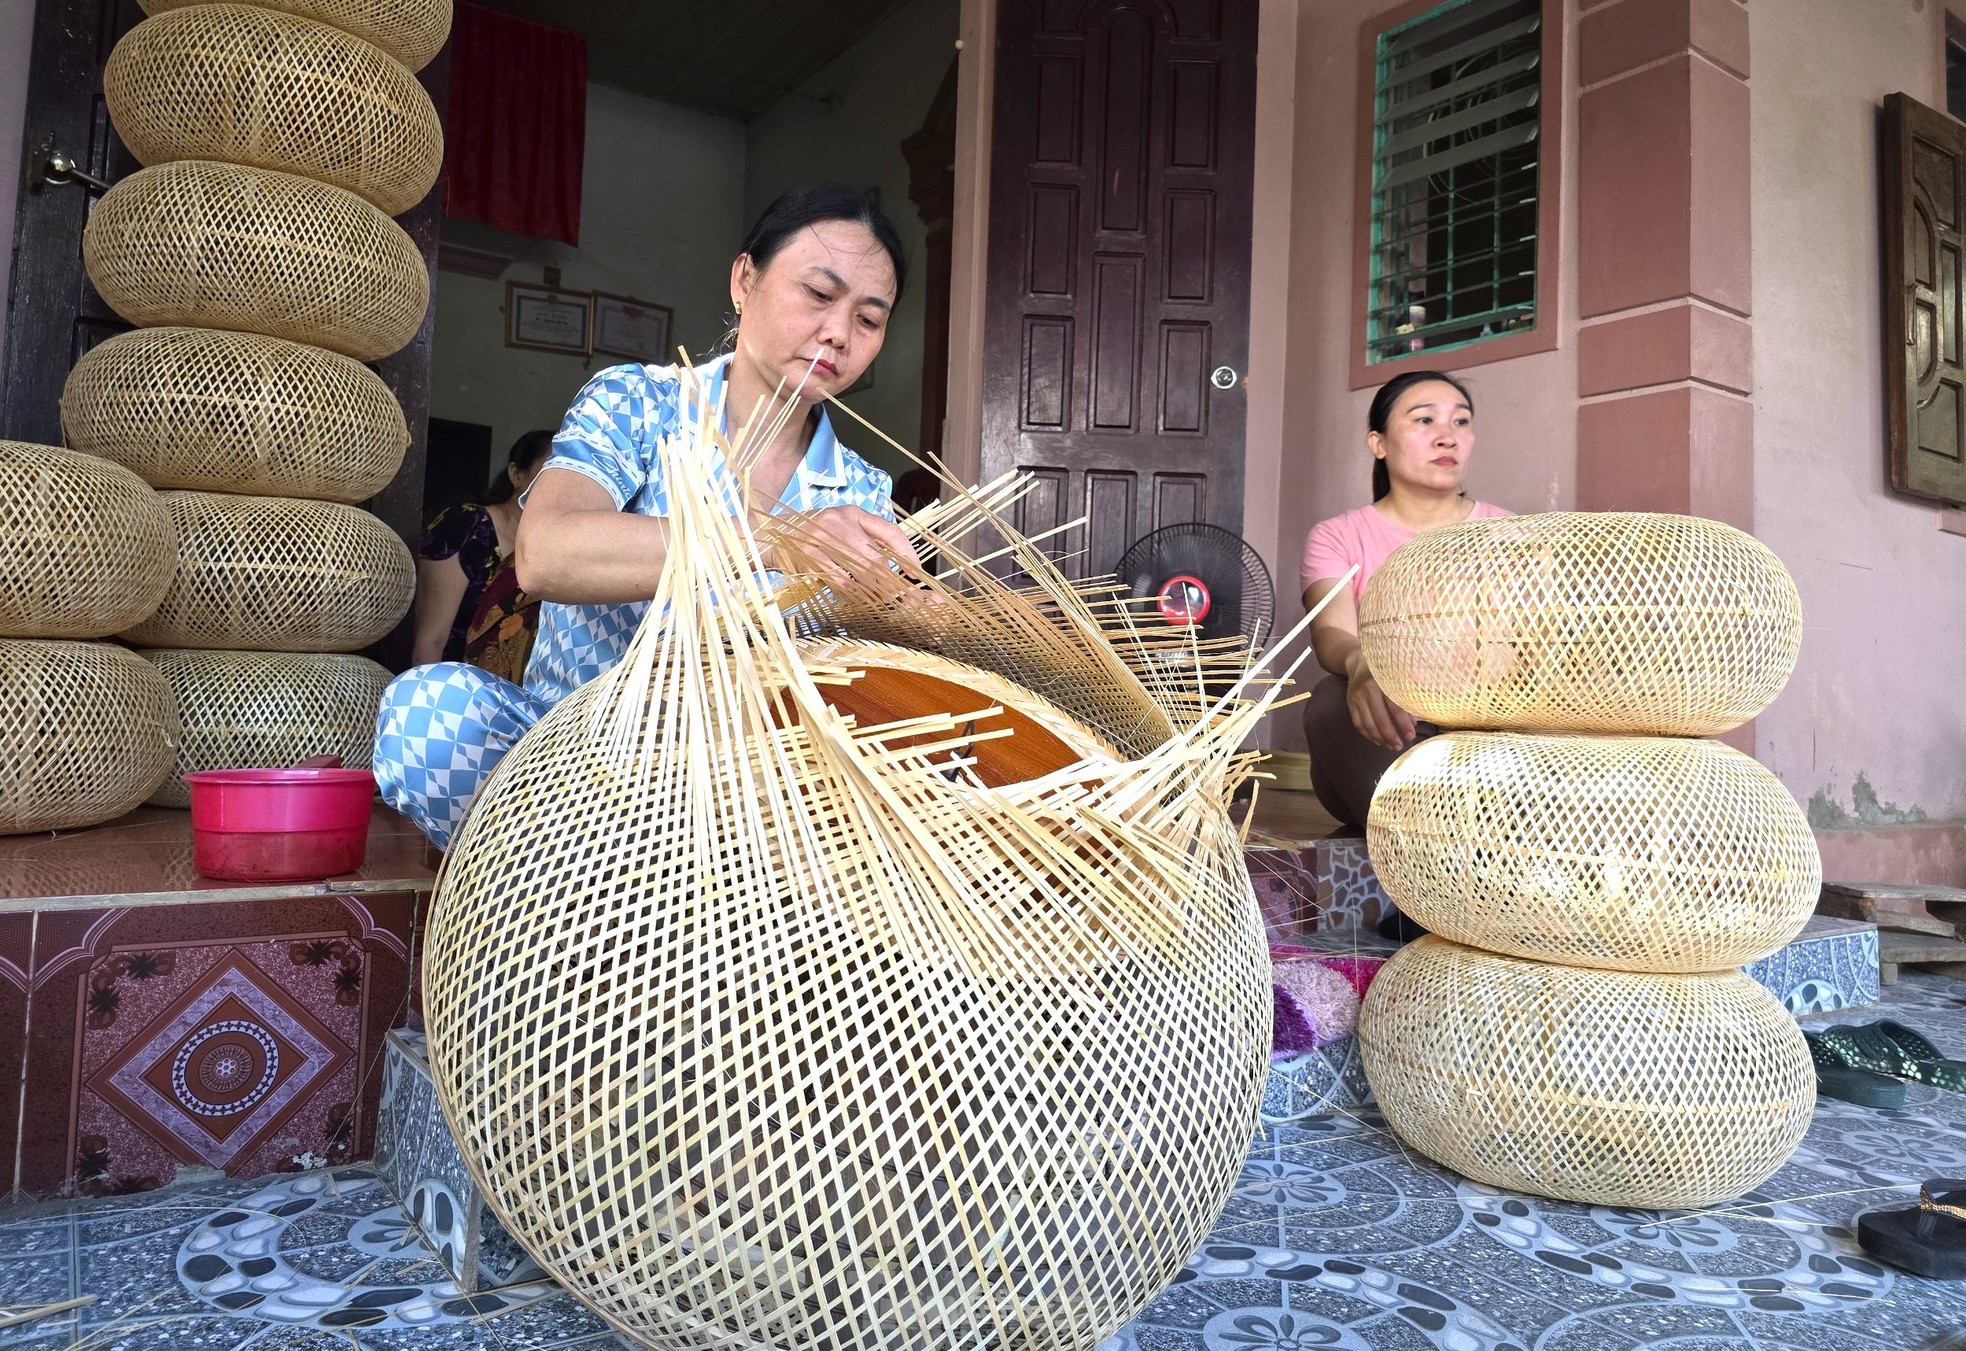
87	732
279	574
822	994
226	412
222	246
263	710
1629	853
85	546
412	31
1584	622
261	87
1605	1087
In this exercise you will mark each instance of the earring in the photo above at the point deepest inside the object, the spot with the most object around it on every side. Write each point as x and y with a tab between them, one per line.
737	306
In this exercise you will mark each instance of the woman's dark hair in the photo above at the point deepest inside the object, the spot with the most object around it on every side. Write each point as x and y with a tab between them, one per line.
1381	413
810	205
527	452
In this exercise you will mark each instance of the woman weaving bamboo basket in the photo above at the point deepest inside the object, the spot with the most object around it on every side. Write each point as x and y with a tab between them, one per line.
813	287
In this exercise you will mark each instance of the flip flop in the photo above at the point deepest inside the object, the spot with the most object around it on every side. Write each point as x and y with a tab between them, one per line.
1866	1088
1932	1065
1928	1239
1860	1046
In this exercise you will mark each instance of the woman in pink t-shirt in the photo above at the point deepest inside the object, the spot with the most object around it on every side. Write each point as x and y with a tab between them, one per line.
1421	432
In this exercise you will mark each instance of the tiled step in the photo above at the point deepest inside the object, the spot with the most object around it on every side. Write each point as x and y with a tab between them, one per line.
1318	887
1832	964
420	1162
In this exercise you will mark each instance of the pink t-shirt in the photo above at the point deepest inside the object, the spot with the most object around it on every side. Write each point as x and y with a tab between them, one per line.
1362	538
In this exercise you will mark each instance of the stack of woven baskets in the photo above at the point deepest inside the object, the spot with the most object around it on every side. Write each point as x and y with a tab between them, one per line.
1592	873
256	253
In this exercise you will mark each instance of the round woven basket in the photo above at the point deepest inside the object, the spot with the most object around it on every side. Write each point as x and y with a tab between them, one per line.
222	246
1605	1087
257	86
1584	622
265	710
279	574
87	732
1629	853
236	413
412	31
86	547
741	1073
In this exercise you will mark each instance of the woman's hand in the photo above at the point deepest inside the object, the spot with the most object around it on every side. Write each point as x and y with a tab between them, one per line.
851	539
1378	719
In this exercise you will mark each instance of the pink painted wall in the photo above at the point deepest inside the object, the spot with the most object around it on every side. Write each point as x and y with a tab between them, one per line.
1526	420
1874	722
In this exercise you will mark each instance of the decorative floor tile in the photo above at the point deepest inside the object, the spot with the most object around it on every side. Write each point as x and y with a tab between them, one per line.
240	1037
1830	965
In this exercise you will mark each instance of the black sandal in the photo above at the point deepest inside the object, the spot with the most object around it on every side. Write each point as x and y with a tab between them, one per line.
1928	1239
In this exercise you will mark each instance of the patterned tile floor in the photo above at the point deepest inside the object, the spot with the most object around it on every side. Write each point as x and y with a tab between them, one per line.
1336	1237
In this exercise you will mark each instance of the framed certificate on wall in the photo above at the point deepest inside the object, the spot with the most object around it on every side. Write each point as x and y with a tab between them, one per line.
635	329
547	320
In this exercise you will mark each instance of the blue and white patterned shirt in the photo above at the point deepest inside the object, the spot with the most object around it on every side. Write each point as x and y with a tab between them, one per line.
610	435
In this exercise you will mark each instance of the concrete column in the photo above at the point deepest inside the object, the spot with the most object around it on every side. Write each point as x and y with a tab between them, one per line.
1664	354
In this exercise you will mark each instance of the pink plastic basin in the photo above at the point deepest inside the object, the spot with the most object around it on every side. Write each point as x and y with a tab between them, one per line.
279	825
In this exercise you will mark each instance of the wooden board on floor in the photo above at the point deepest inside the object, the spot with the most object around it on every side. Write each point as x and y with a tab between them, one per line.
1899	949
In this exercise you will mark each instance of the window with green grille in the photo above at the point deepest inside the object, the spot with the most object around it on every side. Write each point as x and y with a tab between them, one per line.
1456	148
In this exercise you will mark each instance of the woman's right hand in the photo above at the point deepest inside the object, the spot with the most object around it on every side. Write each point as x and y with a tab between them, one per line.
1378	719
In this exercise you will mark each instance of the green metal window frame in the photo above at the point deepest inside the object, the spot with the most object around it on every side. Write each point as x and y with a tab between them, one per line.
1457	150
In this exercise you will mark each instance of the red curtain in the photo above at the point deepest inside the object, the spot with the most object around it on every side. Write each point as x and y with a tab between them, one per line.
516	122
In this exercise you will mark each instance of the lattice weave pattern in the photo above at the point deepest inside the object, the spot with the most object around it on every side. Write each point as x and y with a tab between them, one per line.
257	86
221	246
1587	622
85	546
412	31
1600	1086
87	732
775	1003
262	710
237	413
279	574
1628	853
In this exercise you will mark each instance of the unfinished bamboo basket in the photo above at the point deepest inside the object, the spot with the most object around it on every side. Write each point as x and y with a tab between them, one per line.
264	710
214	245
87	732
204	409
412	31
278	574
265	88
86	546
1584	622
1628	853
774	1002
1606	1087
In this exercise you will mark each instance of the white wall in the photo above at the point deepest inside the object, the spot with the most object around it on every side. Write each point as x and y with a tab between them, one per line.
846	124
1876	696
661	214
16	39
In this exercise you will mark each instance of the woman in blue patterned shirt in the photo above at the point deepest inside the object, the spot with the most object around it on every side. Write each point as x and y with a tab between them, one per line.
813	288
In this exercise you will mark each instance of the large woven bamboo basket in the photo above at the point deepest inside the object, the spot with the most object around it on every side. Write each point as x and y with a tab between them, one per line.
262	87
263	710
412	31
87	732
1606	1087
1583	621
205	409
86	547
279	574
222	246
1629	853
825	995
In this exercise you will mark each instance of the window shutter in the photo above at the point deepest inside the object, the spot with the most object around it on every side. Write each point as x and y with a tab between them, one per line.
1455	160
1925	369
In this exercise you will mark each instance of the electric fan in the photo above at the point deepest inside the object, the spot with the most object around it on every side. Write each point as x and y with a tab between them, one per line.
1203	575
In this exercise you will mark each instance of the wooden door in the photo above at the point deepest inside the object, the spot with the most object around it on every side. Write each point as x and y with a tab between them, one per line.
1924	180
53	314
1117	328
